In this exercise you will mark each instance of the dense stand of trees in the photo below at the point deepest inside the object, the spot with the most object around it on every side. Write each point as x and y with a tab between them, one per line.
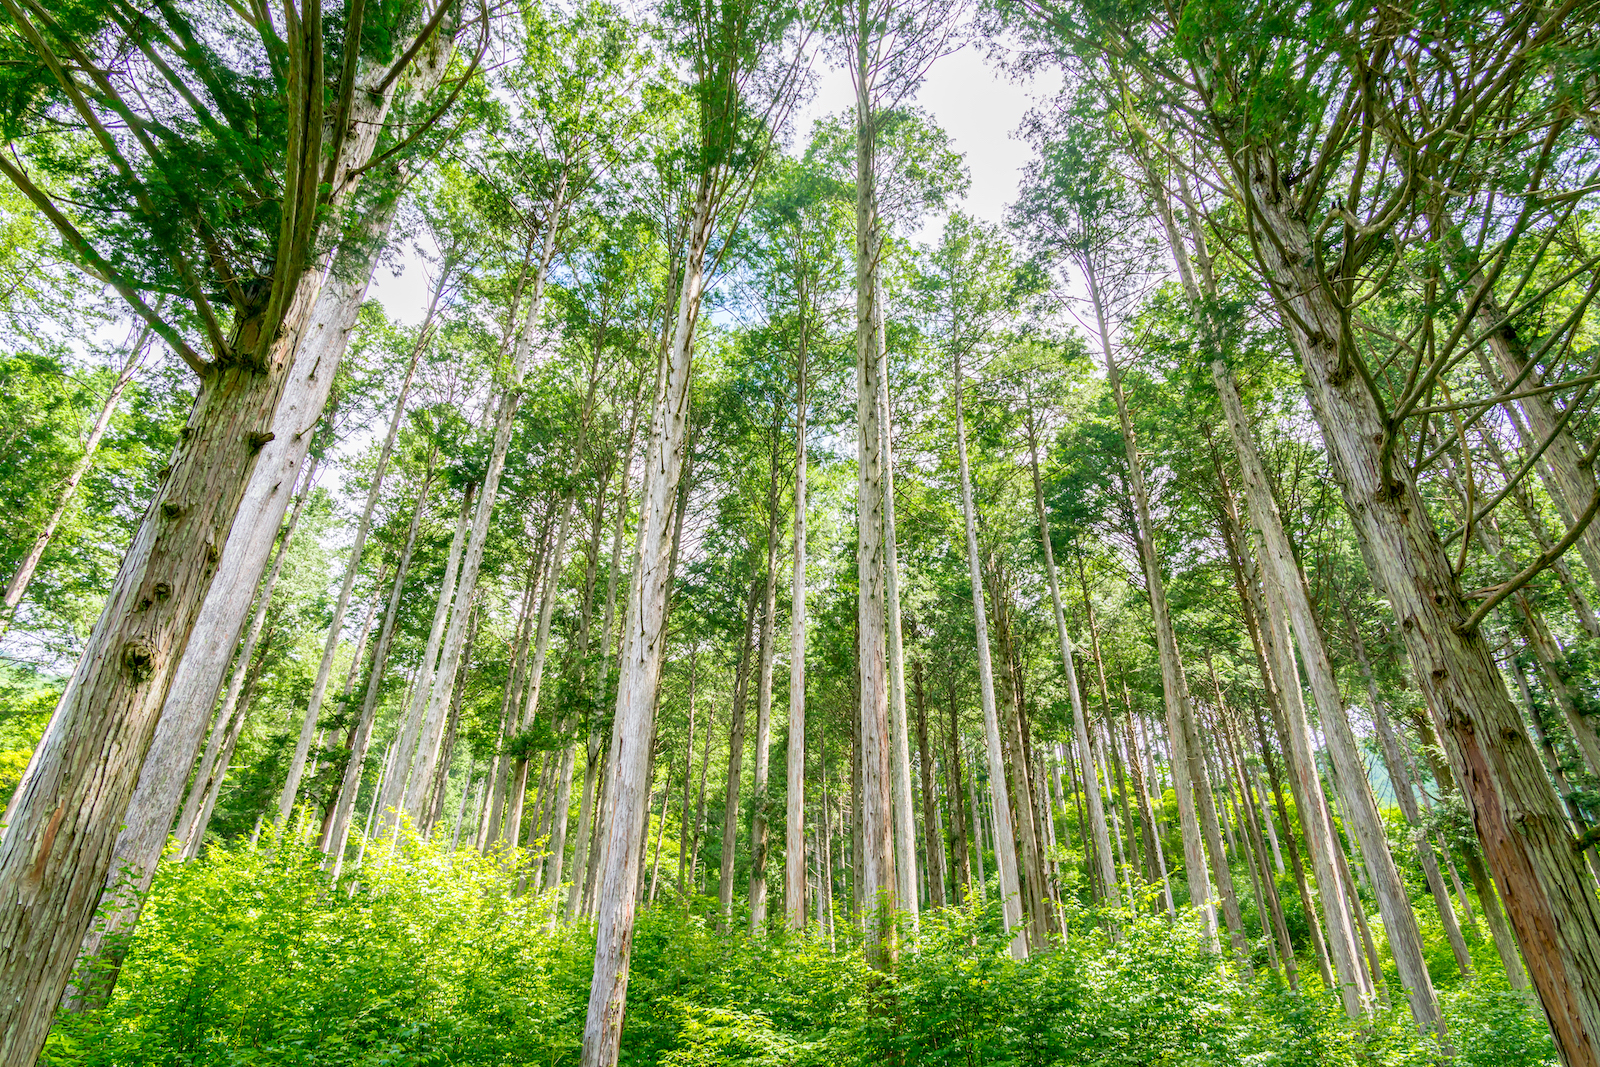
1213	537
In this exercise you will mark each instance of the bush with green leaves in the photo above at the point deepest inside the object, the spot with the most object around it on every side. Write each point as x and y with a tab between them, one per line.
429	957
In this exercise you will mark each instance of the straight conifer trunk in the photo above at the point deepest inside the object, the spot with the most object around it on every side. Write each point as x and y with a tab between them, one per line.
932	830
1282	571
1400	776
394	784
330	647
1174	691
1005	837
757	897
643	638
875	874
213	764
794	826
905	823
730	808
339	829
1104	872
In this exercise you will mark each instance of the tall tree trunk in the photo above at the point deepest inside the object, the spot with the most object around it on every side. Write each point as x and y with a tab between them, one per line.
231	704
1400	777
1281	571
64	818
960	838
905	823
1104	873
643	646
394	785
763	755
932	831
1172	683
219	772
500	768
504	422
197	679
688	781
794	827
535	679
433	809
1005	837
1034	894
730	807
875	874
700	803
1269	887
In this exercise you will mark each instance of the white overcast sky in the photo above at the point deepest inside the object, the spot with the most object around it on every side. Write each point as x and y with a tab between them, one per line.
978	106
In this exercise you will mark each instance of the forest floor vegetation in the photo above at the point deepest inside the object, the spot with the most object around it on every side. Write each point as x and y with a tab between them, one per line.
427	956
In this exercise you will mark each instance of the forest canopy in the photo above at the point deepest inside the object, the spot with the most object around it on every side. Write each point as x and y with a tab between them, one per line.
739	600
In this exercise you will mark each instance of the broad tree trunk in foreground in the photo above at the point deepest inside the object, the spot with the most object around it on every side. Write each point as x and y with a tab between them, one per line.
1005	837
1549	895
213	764
187	675
643	642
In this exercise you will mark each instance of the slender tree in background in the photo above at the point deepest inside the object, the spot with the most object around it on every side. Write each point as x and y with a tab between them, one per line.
746	68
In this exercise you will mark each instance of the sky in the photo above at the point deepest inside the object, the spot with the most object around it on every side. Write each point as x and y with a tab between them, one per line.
976	104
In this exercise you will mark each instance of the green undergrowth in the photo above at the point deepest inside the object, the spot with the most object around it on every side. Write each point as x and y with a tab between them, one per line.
255	957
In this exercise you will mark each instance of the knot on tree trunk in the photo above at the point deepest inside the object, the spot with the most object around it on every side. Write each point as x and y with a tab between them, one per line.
138	660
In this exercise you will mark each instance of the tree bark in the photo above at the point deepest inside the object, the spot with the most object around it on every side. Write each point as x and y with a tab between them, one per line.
643	646
730	807
209	771
394	785
905	823
1400	777
794	832
757	896
1104	872
339	830
932	831
953	774
1173	688
330	647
